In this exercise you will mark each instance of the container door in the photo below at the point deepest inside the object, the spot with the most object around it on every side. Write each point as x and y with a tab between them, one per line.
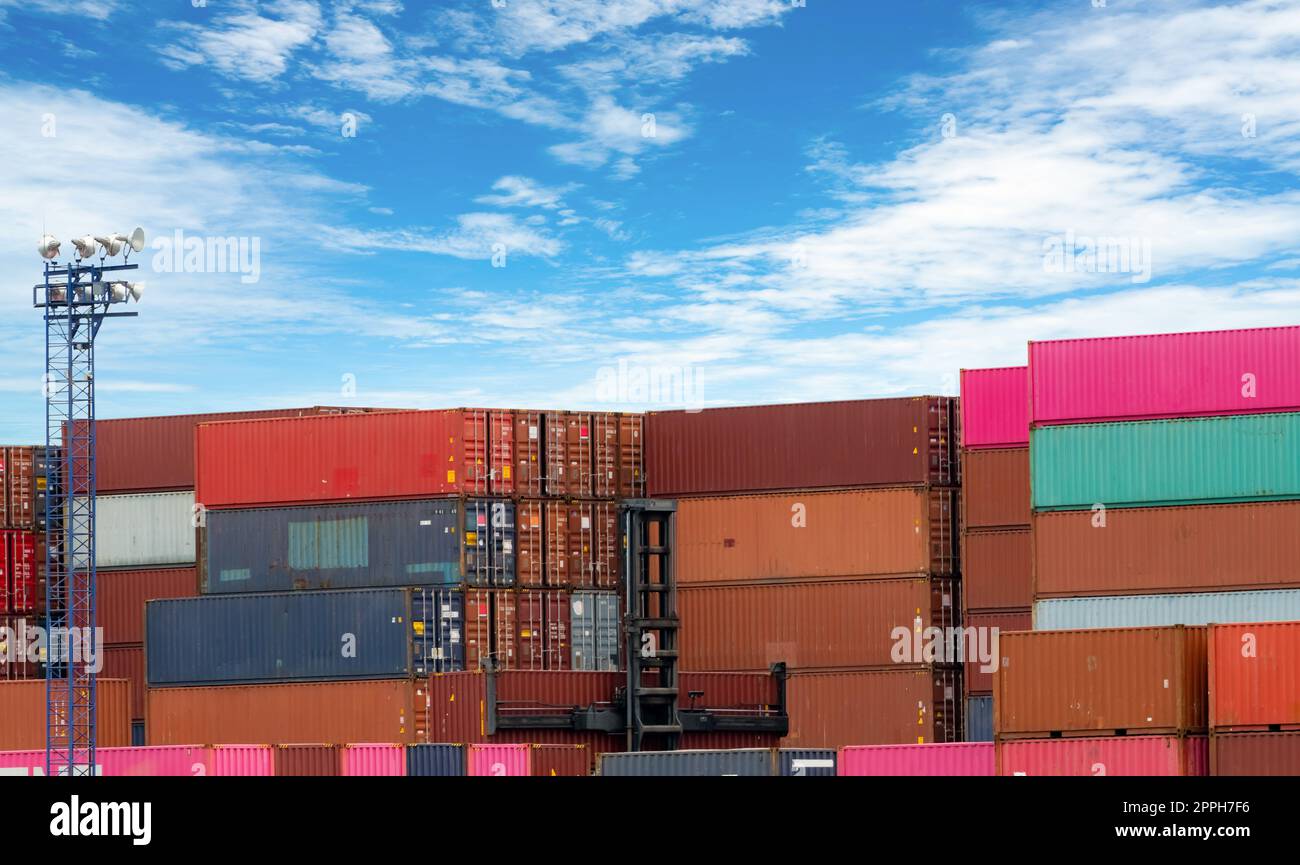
529	453
530	541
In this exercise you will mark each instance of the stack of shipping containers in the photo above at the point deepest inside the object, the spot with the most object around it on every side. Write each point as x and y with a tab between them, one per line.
1254	697
821	535
997	590
22	556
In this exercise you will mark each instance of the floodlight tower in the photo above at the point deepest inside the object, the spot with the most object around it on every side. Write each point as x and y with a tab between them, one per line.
76	299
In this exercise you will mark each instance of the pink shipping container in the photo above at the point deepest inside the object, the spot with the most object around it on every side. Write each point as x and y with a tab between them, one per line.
500	760
163	761
1110	755
995	407
946	758
1166	375
374	760
243	761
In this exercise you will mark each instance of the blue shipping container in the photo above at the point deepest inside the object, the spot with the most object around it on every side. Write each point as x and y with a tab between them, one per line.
979	719
594	634
489	543
798	762
435	761
1151	611
304	636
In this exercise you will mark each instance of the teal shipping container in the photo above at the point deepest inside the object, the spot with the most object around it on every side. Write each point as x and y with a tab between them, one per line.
1239	458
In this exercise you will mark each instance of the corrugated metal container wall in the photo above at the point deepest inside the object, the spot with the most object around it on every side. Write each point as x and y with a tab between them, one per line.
884	442
877	707
1237	754
995	407
126	662
303	636
947	758
22	503
351	546
435	761
382	710
168	760
619	455
22	764
307	760
979	680
22	706
1254	675
1139	550
595	630
1165	375
804	535
22	571
120	597
1166	462
243	761
995	488
1111	755
144	530
809	625
997	570
799	762
755	762
387	760
1134	679
979	718
334	458
560	761
499	761
541	630
568	453
1146	611
21	631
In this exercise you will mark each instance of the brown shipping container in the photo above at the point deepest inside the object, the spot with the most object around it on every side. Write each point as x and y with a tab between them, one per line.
568	454
120	597
315	761
530	466
1136	680
564	761
607	550
1255	753
977	681
22	708
18	487
569	540
490	629
896	706
883	442
1153	550
619	455
542	630
810	625
997	570
995	484
530	543
127	662
802	535
380	710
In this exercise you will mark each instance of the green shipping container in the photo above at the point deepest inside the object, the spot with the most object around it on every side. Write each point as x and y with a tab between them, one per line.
1238	458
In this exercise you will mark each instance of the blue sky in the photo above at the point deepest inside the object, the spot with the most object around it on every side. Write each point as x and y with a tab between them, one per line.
479	203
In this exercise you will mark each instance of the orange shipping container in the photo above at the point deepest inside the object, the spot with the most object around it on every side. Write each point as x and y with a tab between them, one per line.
381	710
127	662
978	679
995	484
22	714
798	535
1255	676
897	706
810	625
997	570
1113	681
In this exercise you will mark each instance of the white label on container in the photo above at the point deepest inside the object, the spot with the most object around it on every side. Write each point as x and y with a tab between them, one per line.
507	545
586	522
800	766
577	608
455	635
1166	684
426	522
532	432
947	600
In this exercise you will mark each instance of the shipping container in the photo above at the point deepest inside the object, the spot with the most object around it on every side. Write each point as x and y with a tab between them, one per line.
806	535
243	761
20	484
885	442
137	734
1146	611
169	761
1109	755
979	629
530	453
933	759
1156	550
22	572
1237	754
979	718
45	481
799	762
751	762
372	710
1254	678
1166	462
22	706
20	651
304	636
810	625
900	705
542	630
120	597
560	538
995	488
373	759
568	454
1115	681
144	530
126	662
499	761
995	407
1165	375
489	637
594	630
619	455
308	760
435	760
489	451
560	761
997	570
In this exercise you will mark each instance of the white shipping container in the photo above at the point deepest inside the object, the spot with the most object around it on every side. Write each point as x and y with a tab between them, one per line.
1150	611
144	530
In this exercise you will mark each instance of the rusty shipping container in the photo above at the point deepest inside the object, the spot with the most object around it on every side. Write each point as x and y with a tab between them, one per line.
810	625
1111	681
563	761
127	662
895	706
120	598
381	710
618	455
997	570
22	708
542	630
979	678
801	535
568	543
530	453
308	760
568	453
1157	550
880	443
1254	677
489	629
995	488
1252	754
19	487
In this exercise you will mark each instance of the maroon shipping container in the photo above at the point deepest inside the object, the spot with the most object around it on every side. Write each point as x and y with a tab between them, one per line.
997	570
542	630
18	487
895	706
886	442
995	488
127	662
309	760
22	571
568	454
490	629
564	761
978	680
121	595
1255	753
618	454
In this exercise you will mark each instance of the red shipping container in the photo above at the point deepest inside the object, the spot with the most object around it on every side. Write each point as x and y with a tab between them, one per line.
489	451
1255	676
127	662
997	570
995	407
22	571
896	706
1110	755
884	442
542	629
568	454
308	760
529	447
978	679
995	488
120	597
619	455
1236	754
564	761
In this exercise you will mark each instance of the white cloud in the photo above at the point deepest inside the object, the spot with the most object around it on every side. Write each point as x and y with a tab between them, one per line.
476	236
515	191
247	44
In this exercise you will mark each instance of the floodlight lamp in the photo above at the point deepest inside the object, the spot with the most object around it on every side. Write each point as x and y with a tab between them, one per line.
85	246
111	246
48	247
